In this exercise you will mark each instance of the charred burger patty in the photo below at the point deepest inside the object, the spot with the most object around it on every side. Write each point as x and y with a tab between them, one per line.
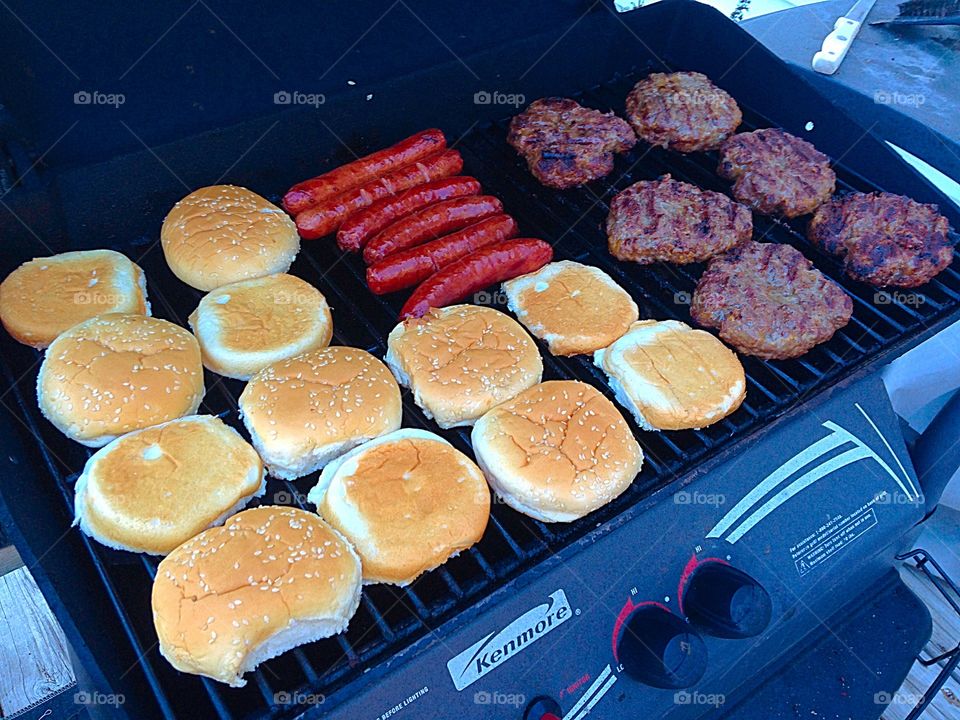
884	239
776	173
682	111
768	300
566	144
672	221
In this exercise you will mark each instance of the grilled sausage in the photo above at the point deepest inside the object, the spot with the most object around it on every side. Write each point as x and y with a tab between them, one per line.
430	223
354	174
410	267
476	271
325	217
363	225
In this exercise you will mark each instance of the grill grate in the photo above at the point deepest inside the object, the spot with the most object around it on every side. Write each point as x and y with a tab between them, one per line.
389	619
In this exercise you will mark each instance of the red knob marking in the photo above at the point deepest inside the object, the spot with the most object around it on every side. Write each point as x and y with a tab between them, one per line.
549	716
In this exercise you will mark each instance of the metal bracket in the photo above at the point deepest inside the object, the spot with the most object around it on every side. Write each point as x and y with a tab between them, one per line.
923	560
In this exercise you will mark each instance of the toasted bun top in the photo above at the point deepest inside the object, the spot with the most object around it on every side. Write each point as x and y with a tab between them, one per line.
575	308
45	296
116	373
462	360
407	501
560	447
321	397
676	377
224	233
152	489
221	595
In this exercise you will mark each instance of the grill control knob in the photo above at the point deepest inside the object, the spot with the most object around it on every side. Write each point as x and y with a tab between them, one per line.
659	648
726	602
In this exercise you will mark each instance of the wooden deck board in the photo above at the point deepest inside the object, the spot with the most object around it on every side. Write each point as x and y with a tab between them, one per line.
33	650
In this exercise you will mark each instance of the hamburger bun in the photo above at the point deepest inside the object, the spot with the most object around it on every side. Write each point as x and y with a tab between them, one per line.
244	326
460	361
223	233
557	451
268	580
408	501
45	296
673	377
574	308
116	373
153	489
305	411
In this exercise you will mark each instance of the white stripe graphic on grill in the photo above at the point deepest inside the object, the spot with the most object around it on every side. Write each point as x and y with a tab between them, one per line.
838	437
596	698
804	457
586	696
906	475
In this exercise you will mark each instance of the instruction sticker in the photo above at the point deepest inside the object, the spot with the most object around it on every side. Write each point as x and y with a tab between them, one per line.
830	538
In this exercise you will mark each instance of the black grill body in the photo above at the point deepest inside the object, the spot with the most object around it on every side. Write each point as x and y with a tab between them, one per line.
401	640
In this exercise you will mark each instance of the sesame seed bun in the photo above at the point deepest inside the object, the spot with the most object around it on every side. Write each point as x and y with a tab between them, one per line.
305	411
462	360
244	326
408	501
557	451
224	233
45	296
116	373
153	489
268	580
574	308
672	377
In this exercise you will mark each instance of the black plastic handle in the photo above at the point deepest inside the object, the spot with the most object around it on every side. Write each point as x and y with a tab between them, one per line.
936	453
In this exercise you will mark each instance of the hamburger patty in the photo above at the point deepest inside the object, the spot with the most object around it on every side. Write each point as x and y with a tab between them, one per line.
672	221
682	111
776	173
566	144
768	300
884	239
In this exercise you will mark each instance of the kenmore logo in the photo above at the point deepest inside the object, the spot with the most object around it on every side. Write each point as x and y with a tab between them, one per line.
496	648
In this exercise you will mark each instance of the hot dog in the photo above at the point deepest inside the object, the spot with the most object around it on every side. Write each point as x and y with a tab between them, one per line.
363	225
430	223
409	267
476	271
325	217
346	177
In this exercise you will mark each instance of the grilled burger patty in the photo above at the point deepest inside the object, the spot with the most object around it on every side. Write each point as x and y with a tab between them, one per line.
682	111
776	173
768	300
672	221
884	239
566	144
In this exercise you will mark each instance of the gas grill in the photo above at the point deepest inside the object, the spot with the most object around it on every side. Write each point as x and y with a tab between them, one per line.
532	620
